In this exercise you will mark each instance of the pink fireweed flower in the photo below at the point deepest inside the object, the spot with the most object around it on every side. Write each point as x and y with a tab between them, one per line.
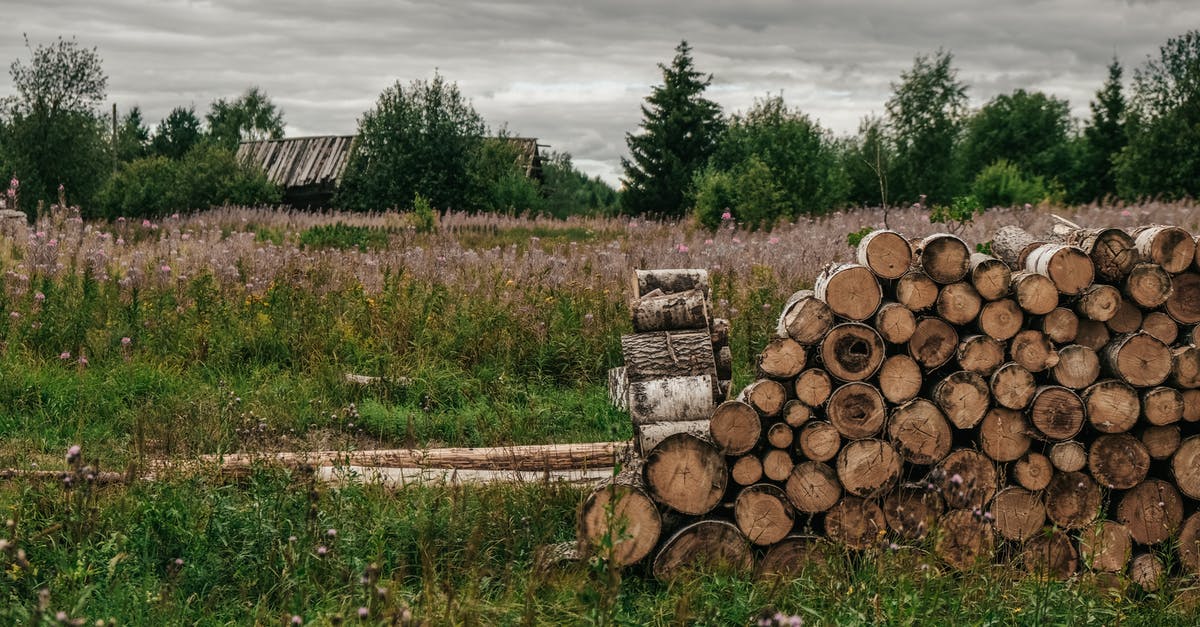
708	242
53	242
83	360
39	297
126	341
331	532
1126	213
165	268
65	355
120	241
73	453
774	240
363	612
146	223
727	216
737	241
296	620
682	248
14	315
322	550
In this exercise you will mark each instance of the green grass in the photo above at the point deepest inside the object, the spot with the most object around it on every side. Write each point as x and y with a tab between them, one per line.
486	236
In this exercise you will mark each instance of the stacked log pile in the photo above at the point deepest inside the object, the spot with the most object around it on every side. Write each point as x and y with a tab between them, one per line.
1040	405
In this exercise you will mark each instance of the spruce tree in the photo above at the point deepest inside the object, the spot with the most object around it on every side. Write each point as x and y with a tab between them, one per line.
679	132
1105	134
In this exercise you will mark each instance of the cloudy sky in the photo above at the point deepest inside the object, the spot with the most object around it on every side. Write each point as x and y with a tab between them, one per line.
573	73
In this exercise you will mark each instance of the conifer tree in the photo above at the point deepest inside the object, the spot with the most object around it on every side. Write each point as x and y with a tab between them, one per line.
1105	135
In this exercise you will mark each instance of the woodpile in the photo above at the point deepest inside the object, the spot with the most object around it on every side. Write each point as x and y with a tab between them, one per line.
1040	404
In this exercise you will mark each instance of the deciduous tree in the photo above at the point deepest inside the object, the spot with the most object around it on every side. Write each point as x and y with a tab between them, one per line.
925	116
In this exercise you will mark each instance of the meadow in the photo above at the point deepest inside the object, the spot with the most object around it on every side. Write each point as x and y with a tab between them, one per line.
231	330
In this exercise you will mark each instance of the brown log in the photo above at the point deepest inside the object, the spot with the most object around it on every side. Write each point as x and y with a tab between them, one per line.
1035	293
1191	405
895	323
964	397
706	544
1012	386
1061	325
1128	319
1162	406
1072	500
868	468
780	435
782	358
1051	555
670	281
819	441
979	354
1161	442
1056	413
766	396
1033	471
648	436
735	427
670	399
1152	511
1004	434
958	303
620	511
1112	251
1118	461
812	487
793	556
1148	285
1147	571
1189	544
687	474
724	357
1168	246
1137	359
1111	406
916	291
719	331
1185	367
1018	513
747	470
796	413
777	465
886	253
1185	466
805	318
763	513
852	351
1077	367
618	388
813	387
1068	456
1106	546
658	355
991	277
1183	305
856	410
1069	268
944	257
1000	319
911	512
1161	327
966	540
851	291
1092	334
933	342
900	378
1098	302
920	432
670	312
1033	351
968	479
856	523
1012	245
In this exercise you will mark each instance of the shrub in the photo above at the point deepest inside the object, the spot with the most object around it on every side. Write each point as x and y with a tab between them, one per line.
1002	184
715	194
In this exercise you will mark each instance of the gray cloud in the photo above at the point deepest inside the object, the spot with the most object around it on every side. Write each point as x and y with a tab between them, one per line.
573	73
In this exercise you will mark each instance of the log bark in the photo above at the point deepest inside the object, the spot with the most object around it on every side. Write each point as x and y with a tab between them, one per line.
1112	251
813	487
852	351
1072	500
868	468
813	387
911	512
670	281
735	427
1051	555
1033	472
670	312
944	258
1061	325
1069	268
851	291
900	379
777	465
1033	351
1018	513
1137	359
1161	442
857	523
1000	319
1012	386
1092	334
1161	327
979	354
991	277
895	323
618	388
933	342
1098	302
1004	434
1148	285
958	303
1147	571
819	441
1168	246
706	544
1185	367
920	432
1035	293
795	413
746	470
763	514
719	332
1012	245
916	290
1069	456
1183	305
1118	461
1162	406
886	253
856	410
966	539
619	511
658	355
686	474
1077	367
968	479
649	436
671	399
1152	511
782	358
1106	546
780	435
805	318
766	396
1185	467
964	397
1111	406
1056	413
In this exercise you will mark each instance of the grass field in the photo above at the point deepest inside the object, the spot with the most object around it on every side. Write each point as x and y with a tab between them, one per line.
231	330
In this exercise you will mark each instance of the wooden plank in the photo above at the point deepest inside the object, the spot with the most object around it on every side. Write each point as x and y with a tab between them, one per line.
396	478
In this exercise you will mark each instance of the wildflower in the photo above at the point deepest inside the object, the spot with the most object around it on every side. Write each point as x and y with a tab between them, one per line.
727	215
121	219
65	355
331	532
120	241
39	297
1028	206
53	242
363	612
146	223
60	616
737	241
73	453
83	360
179	561
322	550
125	341
1126	213
296	620
14	315
682	248
165	268
587	318
773	240
291	538
708	242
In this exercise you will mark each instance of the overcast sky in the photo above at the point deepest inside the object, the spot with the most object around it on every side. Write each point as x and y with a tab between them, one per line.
574	73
